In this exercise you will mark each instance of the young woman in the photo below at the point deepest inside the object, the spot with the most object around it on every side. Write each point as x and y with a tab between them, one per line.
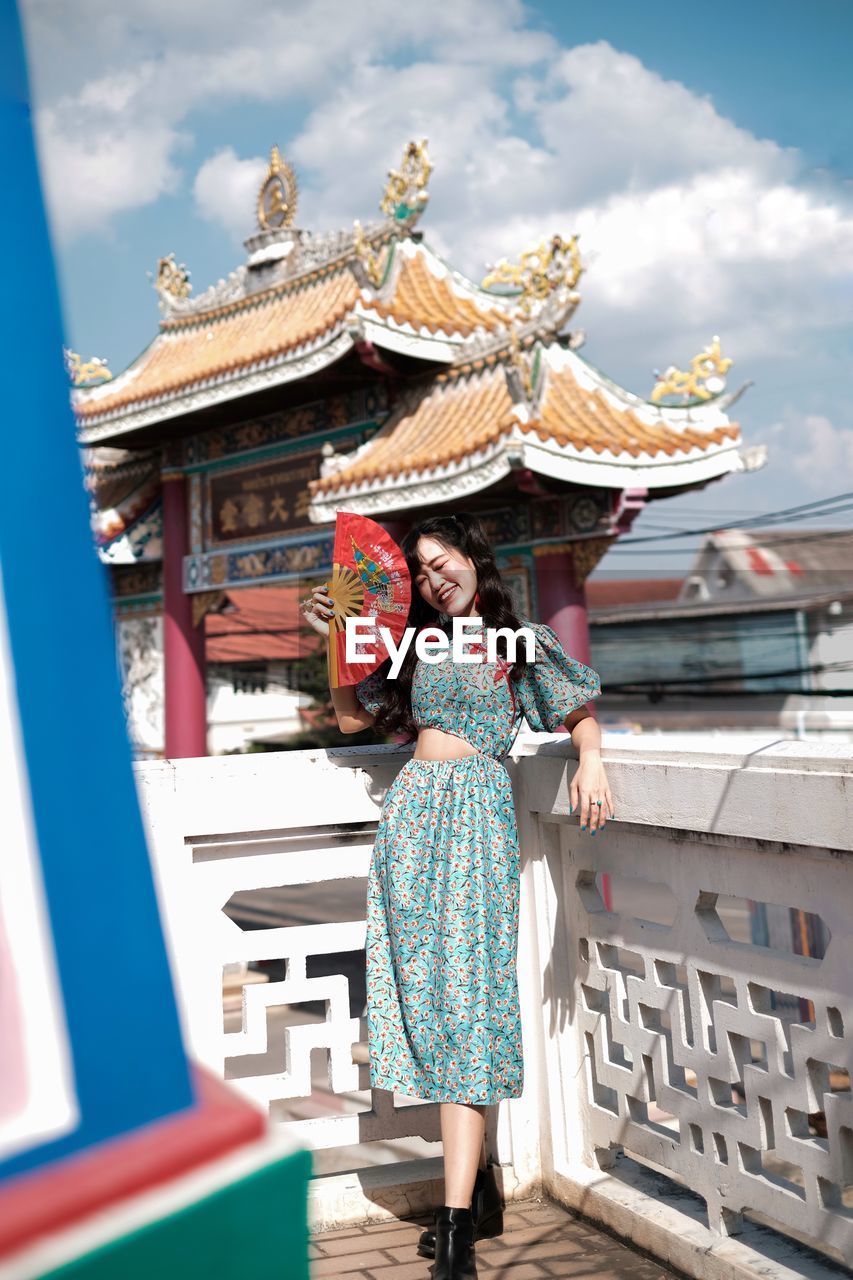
443	885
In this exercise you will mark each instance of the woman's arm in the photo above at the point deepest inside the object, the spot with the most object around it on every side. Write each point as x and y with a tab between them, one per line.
589	784
352	716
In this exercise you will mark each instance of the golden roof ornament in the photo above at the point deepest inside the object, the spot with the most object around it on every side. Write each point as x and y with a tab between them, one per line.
373	262
520	371
704	379
546	274
85	373
172	278
278	196
406	192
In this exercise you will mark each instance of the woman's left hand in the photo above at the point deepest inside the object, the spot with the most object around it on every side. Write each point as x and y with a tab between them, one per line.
589	789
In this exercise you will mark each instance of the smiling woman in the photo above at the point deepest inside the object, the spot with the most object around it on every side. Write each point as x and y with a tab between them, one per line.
443	885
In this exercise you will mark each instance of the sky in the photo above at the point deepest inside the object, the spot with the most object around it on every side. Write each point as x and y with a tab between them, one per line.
704	156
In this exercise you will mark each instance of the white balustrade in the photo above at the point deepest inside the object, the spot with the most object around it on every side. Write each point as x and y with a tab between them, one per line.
684	1084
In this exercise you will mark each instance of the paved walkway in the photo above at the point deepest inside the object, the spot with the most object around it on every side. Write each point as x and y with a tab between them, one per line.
540	1240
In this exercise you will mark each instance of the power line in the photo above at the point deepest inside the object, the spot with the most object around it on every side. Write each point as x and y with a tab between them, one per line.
823	506
619	548
731	677
673	636
674	524
800	536
655	691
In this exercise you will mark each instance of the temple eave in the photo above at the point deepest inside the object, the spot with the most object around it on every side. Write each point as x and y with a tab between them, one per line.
514	452
408	351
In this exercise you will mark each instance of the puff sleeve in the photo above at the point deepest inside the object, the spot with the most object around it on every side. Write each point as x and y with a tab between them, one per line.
554	684
370	691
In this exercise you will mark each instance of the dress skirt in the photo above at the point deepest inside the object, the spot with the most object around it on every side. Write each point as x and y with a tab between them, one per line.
442	935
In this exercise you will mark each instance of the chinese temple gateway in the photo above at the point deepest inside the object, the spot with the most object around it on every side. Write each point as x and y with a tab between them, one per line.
357	370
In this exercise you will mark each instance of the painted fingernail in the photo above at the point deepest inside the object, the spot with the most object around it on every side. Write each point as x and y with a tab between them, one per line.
583	826
593	831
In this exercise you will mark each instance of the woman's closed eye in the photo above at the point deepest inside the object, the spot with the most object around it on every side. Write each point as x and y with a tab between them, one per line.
421	578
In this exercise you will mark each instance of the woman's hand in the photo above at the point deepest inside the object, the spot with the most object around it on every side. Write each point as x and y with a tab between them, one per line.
589	787
590	790
317	609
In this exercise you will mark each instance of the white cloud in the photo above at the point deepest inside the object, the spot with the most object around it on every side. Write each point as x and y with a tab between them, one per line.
820	451
89	178
621	127
148	66
226	190
685	218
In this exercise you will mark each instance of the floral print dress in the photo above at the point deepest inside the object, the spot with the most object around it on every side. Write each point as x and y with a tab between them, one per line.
443	884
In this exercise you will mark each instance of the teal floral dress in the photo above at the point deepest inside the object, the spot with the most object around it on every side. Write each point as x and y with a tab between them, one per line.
443	884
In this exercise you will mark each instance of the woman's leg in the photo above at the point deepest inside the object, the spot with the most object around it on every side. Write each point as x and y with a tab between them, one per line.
462	1136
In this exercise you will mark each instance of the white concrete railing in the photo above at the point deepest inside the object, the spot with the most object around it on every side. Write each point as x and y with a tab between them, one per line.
671	1064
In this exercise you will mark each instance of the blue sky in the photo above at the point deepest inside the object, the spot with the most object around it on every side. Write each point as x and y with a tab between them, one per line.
703	154
780	68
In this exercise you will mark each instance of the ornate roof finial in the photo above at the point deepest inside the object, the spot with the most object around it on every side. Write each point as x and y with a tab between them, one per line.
704	379
523	375
85	373
406	195
278	196
372	264
171	278
543	280
521	366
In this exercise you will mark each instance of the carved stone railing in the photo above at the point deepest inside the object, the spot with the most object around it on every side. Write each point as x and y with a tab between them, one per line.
685	1082
697	1080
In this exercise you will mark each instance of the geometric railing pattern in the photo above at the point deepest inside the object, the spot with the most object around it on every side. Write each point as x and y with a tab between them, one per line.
723	1063
290	905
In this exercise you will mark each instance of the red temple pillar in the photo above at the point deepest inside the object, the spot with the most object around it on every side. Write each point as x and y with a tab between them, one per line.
183	644
562	600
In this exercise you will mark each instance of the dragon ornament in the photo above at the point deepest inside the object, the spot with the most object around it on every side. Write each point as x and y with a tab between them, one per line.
705	377
544	280
85	373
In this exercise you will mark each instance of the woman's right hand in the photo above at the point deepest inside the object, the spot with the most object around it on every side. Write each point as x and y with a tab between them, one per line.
317	609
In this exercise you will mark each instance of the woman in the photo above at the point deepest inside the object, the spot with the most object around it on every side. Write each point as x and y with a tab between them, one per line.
443	885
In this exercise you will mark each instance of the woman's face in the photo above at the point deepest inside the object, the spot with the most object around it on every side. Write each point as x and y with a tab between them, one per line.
446	579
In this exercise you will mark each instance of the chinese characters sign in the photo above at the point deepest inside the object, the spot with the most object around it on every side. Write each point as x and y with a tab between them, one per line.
263	500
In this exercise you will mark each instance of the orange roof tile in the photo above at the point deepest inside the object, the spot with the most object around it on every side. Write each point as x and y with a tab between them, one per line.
196	348
455	416
602	593
468	408
202	346
422	298
585	419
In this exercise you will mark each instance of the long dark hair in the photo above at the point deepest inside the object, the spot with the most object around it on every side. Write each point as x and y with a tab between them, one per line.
464	533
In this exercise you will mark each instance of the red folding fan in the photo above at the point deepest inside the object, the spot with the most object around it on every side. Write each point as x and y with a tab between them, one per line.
370	579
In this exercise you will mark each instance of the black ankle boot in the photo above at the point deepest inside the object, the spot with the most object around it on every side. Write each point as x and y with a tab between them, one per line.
486	1210
454	1244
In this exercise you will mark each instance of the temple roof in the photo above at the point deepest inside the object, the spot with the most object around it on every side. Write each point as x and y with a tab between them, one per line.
546	409
486	379
234	345
126	513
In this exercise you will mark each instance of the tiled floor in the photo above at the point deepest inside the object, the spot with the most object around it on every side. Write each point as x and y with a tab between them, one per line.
540	1240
